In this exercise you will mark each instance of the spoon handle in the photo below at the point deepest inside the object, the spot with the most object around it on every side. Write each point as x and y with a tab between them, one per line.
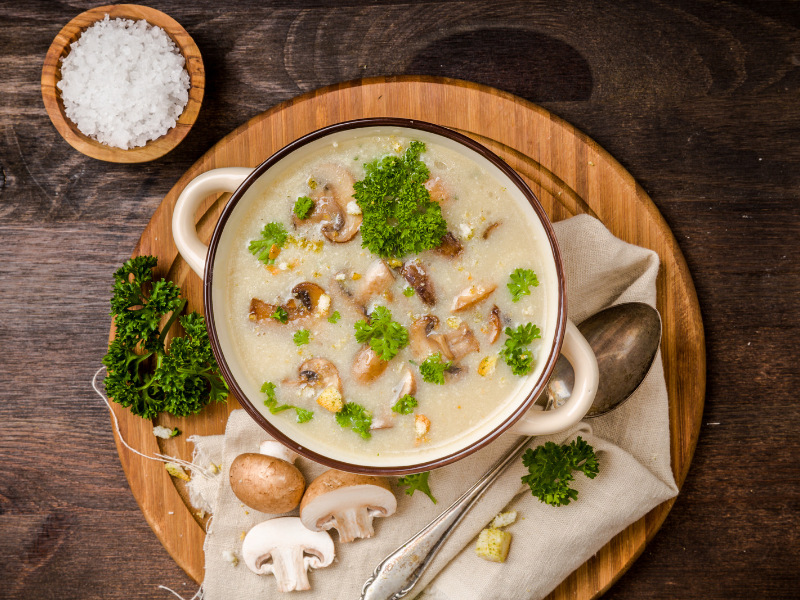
399	572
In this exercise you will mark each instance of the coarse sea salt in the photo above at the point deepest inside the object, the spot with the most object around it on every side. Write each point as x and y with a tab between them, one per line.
124	83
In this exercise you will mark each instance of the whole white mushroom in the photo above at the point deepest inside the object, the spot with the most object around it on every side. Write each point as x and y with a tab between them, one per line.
287	549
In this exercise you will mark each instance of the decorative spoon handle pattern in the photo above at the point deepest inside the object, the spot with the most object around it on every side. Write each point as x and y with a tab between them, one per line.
399	572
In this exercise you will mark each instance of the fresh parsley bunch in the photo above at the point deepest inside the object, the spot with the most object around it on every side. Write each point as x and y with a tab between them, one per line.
417	482
551	466
386	337
399	216
143	374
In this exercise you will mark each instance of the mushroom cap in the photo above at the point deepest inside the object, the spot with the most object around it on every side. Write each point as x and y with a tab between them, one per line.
337	492
367	365
266	483
292	549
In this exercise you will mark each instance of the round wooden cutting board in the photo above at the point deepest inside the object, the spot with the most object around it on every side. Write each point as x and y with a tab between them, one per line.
570	175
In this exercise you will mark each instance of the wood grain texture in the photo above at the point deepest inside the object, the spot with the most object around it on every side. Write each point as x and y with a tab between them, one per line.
51	75
697	100
569	174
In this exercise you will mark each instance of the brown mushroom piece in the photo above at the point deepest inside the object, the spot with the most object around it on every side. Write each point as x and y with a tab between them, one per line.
451	246
416	276
375	281
490	229
472	295
437	189
337	185
495	326
367	365
346	502
309	294
461	342
317	373
407	386
423	339
326	210
267	481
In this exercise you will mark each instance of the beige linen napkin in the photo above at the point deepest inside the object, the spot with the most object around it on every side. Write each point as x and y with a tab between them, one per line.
632	445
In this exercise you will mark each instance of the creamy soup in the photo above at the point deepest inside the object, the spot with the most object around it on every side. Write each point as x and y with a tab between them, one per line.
454	301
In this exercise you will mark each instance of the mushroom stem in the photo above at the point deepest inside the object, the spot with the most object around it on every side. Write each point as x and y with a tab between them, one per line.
289	570
353	523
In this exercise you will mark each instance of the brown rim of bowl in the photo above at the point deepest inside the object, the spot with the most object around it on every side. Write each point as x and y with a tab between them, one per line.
208	281
51	75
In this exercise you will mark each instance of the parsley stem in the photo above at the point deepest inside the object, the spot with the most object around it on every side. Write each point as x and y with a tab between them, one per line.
175	314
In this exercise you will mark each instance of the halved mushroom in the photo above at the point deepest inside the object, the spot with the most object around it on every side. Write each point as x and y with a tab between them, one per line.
267	481
309	294
490	229
346	502
421	344
287	549
495	326
368	366
461	342
337	185
317	373
472	295
417	278
451	246
374	282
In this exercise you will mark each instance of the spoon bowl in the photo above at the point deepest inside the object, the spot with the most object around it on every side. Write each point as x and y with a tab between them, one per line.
625	339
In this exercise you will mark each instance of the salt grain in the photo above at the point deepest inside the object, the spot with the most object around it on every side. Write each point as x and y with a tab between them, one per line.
124	83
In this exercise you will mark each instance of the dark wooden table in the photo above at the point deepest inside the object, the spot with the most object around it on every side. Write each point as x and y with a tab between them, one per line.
700	101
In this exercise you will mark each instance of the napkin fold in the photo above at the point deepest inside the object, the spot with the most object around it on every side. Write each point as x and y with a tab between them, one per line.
632	446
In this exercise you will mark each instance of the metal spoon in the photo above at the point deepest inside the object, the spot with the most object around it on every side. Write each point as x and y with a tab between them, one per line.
625	340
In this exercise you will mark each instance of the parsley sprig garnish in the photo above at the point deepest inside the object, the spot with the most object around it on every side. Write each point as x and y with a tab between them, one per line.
551	466
386	337
399	216
357	418
334	318
280	315
521	280
271	403
303	207
405	405
515	352
417	482
432	368
273	234
301	337
145	373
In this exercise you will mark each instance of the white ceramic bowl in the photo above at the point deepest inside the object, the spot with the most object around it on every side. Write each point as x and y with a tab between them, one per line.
515	414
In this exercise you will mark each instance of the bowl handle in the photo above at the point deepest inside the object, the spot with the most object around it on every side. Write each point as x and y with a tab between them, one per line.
578	352
184	229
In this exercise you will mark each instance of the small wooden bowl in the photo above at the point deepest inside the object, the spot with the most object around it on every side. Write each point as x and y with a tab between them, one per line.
51	74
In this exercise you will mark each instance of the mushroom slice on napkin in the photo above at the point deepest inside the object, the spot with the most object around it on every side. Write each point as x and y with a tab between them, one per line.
346	502
286	548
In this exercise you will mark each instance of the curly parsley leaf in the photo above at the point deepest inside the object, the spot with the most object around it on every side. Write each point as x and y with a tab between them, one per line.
266	249
301	337
405	405
271	402
515	351
303	207
145	373
334	318
399	216
386	337
521	280
280	315
432	369
551	468
356	417
417	482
